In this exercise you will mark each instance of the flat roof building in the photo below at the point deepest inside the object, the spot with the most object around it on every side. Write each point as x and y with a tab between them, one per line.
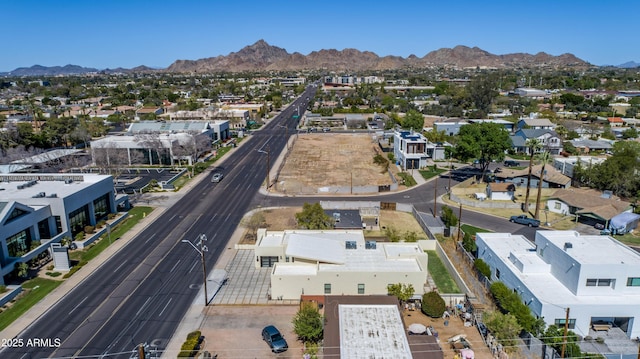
37	210
595	276
322	262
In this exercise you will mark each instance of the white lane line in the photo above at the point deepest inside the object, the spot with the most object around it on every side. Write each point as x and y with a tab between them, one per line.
174	266
192	266
143	306
77	306
120	266
165	307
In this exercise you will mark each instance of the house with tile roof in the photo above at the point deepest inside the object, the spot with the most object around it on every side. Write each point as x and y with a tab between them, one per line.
588	205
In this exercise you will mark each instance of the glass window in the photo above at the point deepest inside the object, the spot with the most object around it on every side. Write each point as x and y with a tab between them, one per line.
497	273
361	288
591	282
633	282
556	205
327	288
18	244
560	323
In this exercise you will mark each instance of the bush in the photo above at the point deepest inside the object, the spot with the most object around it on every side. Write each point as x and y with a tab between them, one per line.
191	346
79	236
89	229
433	305
469	244
101	224
50	267
448	217
111	215
483	268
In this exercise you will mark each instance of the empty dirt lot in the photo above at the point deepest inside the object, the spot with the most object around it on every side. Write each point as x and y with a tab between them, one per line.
322	162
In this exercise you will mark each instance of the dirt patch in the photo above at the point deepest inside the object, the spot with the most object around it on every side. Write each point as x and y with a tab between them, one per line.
280	219
321	162
455	326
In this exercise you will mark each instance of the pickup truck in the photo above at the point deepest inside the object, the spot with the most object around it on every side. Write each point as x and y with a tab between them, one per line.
523	219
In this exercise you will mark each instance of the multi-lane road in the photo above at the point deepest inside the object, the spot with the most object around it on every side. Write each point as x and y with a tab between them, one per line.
141	294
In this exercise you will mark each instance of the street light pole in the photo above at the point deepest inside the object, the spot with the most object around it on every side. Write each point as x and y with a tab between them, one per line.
203	248
267	152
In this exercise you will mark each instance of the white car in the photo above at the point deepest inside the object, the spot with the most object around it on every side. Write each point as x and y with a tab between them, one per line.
217	177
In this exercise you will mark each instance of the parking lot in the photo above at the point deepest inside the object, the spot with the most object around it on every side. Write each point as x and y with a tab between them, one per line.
235	331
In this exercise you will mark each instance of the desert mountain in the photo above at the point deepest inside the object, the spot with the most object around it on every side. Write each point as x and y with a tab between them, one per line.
262	56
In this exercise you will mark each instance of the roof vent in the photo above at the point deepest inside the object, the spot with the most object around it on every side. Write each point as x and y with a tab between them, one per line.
68	181
53	195
336	217
370	245
350	245
567	245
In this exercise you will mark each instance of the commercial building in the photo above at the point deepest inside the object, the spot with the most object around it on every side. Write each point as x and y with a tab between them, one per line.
342	262
596	277
37	210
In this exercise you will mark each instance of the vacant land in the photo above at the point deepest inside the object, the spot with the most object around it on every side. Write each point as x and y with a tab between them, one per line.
317	162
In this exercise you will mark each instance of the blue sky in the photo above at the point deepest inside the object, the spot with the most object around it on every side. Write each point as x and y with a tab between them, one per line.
128	33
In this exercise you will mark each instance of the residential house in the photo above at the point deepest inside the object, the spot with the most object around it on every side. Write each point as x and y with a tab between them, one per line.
586	146
508	125
552	178
595	276
410	149
352	330
615	121
589	206
566	165
530	92
323	262
148	112
449	128
549	139
504	191
536	123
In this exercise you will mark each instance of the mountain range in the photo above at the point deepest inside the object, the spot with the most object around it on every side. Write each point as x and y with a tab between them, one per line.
264	57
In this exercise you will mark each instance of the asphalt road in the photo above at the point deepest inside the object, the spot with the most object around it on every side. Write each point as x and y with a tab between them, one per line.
143	292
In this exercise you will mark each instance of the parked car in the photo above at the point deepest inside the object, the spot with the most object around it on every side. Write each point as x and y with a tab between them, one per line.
272	336
326	129
598	226
511	163
523	219
217	177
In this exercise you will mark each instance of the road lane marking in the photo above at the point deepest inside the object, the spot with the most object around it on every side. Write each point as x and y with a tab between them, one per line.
214	217
79	304
165	307
174	266
120	266
143	306
192	266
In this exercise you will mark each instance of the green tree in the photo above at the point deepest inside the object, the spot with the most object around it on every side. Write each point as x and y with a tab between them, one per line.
554	336
482	91
448	217
402	291
307	324
503	327
629	133
433	305
484	141
413	120
22	270
392	234
313	217
469	244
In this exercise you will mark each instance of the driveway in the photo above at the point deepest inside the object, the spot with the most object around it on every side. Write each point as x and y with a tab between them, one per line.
236	331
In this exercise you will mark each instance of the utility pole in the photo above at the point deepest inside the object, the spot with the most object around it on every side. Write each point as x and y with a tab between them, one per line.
141	354
203	248
435	196
267	153
450	174
564	337
459	221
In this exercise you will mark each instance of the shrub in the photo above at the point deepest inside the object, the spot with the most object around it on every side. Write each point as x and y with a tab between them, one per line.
53	274
433	305
191	346
101	224
89	229
448	217
111	215
483	268
50	267
469	244
79	236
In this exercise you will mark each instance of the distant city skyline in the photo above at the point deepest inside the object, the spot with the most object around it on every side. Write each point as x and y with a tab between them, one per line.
119	33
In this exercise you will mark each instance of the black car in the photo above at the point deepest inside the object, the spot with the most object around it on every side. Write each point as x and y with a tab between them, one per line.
511	163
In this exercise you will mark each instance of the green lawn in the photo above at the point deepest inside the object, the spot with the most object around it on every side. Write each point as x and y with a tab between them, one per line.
409	181
426	174
473	230
440	275
34	290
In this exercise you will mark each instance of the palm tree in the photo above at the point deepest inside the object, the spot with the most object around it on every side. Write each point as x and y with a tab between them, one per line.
544	159
534	145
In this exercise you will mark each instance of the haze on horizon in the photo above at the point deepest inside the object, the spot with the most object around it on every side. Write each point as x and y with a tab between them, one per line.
127	34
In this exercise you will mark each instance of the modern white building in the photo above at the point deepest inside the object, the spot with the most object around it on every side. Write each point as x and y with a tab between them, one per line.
596	277
410	149
37	210
317	262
